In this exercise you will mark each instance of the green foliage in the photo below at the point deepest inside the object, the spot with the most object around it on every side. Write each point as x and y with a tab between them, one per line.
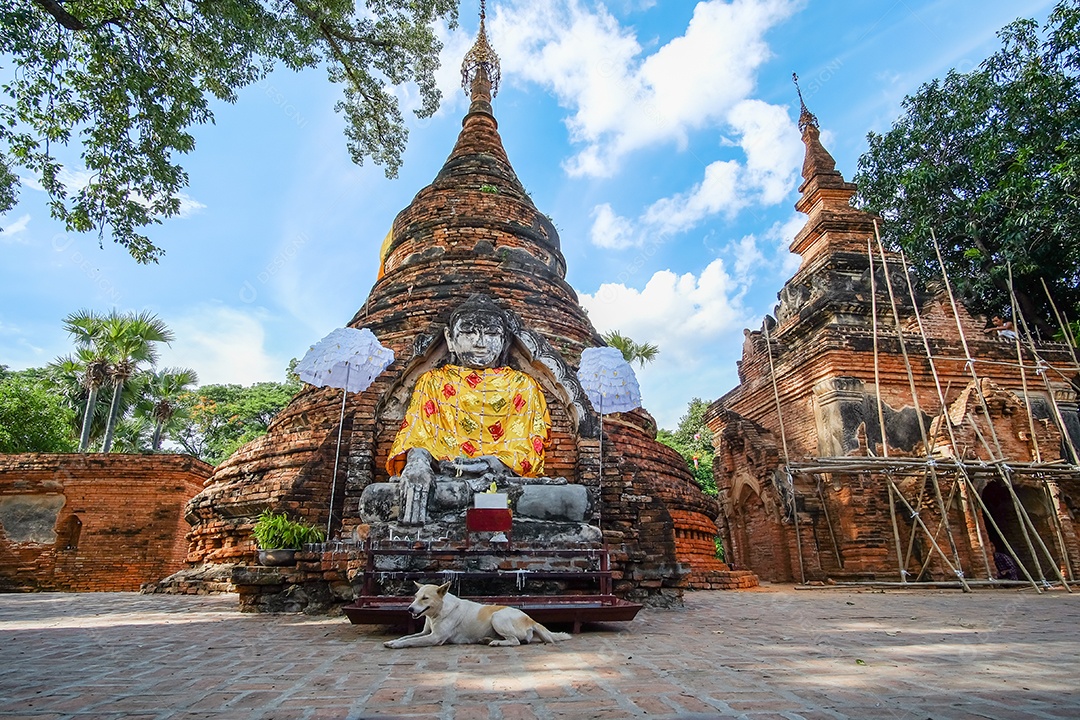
129	339
485	188
125	82
275	531
33	417
693	440
167	400
719	542
1069	334
221	418
631	351
989	160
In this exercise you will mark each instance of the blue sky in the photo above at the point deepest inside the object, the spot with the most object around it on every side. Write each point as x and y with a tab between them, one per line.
660	136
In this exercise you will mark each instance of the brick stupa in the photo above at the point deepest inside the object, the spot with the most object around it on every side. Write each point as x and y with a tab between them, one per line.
473	229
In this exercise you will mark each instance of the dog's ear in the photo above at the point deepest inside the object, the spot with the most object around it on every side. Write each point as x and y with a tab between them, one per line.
444	588
418	585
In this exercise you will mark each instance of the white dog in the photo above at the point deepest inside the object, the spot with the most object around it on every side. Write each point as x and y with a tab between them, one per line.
450	619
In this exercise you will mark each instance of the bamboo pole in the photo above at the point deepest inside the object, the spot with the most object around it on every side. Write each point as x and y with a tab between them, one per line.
896	534
828	522
1063	322
1025	519
901	561
1051	505
915	400
959	573
783	441
945	417
993	523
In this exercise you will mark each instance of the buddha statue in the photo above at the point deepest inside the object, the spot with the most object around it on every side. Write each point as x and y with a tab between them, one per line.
473	417
475	406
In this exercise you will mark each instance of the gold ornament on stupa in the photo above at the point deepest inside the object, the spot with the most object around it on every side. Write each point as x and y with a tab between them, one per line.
481	57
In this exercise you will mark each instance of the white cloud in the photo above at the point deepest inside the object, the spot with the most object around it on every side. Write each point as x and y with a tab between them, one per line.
719	191
781	234
747	256
696	356
223	345
15	230
773	151
188	206
621	101
611	231
76	180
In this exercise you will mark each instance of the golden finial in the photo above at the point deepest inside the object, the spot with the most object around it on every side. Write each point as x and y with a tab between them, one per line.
805	116
480	57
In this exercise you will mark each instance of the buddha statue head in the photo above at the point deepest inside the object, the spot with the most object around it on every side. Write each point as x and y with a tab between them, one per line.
478	334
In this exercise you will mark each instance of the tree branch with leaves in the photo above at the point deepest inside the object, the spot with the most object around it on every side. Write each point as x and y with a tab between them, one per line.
124	83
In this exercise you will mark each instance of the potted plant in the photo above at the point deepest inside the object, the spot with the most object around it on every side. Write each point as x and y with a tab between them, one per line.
279	538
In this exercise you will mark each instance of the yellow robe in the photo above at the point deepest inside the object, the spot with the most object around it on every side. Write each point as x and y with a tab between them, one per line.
458	411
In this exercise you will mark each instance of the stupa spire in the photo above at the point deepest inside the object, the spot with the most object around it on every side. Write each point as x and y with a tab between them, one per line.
806	117
818	161
833	224
480	73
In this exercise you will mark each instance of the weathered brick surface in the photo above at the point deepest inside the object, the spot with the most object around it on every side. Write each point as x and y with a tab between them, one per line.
474	229
117	520
833	349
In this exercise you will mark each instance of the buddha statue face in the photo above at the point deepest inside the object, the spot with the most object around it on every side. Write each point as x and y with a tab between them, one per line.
477	339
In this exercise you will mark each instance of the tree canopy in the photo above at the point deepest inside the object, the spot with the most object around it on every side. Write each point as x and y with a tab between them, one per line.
693	440
640	353
221	418
33	416
126	81
989	160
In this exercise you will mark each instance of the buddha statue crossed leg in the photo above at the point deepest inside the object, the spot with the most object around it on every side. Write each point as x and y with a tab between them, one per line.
475	409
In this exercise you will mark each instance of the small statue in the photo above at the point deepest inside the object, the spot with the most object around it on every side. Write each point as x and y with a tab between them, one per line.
475	407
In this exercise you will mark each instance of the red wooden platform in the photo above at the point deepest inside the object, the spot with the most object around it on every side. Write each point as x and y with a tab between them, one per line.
546	609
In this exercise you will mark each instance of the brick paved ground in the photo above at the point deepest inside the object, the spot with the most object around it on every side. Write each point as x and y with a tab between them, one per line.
772	653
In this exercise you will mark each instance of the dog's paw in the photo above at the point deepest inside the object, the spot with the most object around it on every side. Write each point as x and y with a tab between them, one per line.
392	644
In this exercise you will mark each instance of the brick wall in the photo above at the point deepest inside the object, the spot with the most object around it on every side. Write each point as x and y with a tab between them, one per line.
93	522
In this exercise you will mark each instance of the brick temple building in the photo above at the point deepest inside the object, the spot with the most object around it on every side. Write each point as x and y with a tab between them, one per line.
473	229
880	432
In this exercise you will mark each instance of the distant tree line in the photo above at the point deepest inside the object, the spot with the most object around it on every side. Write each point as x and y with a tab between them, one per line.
108	396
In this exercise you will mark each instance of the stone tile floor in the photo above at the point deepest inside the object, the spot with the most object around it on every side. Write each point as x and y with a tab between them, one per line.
776	652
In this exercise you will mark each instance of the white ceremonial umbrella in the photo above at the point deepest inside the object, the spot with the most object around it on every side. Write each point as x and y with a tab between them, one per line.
610	384
350	359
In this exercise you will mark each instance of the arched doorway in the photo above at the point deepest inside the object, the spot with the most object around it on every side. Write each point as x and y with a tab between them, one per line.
999	503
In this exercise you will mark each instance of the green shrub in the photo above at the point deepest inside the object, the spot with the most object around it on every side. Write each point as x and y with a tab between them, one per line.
275	531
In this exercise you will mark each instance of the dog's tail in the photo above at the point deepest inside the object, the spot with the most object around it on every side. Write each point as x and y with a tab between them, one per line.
550	637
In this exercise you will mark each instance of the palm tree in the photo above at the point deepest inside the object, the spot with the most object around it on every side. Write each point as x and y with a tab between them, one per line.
92	353
130	339
631	351
165	390
69	377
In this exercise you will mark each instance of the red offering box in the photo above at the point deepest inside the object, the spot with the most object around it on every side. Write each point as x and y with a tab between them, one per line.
488	519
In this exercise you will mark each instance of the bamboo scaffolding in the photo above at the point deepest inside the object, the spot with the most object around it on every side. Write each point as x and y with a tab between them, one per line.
1026	522
783	441
977	385
937	548
918	410
900	559
943	412
828	522
1047	494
